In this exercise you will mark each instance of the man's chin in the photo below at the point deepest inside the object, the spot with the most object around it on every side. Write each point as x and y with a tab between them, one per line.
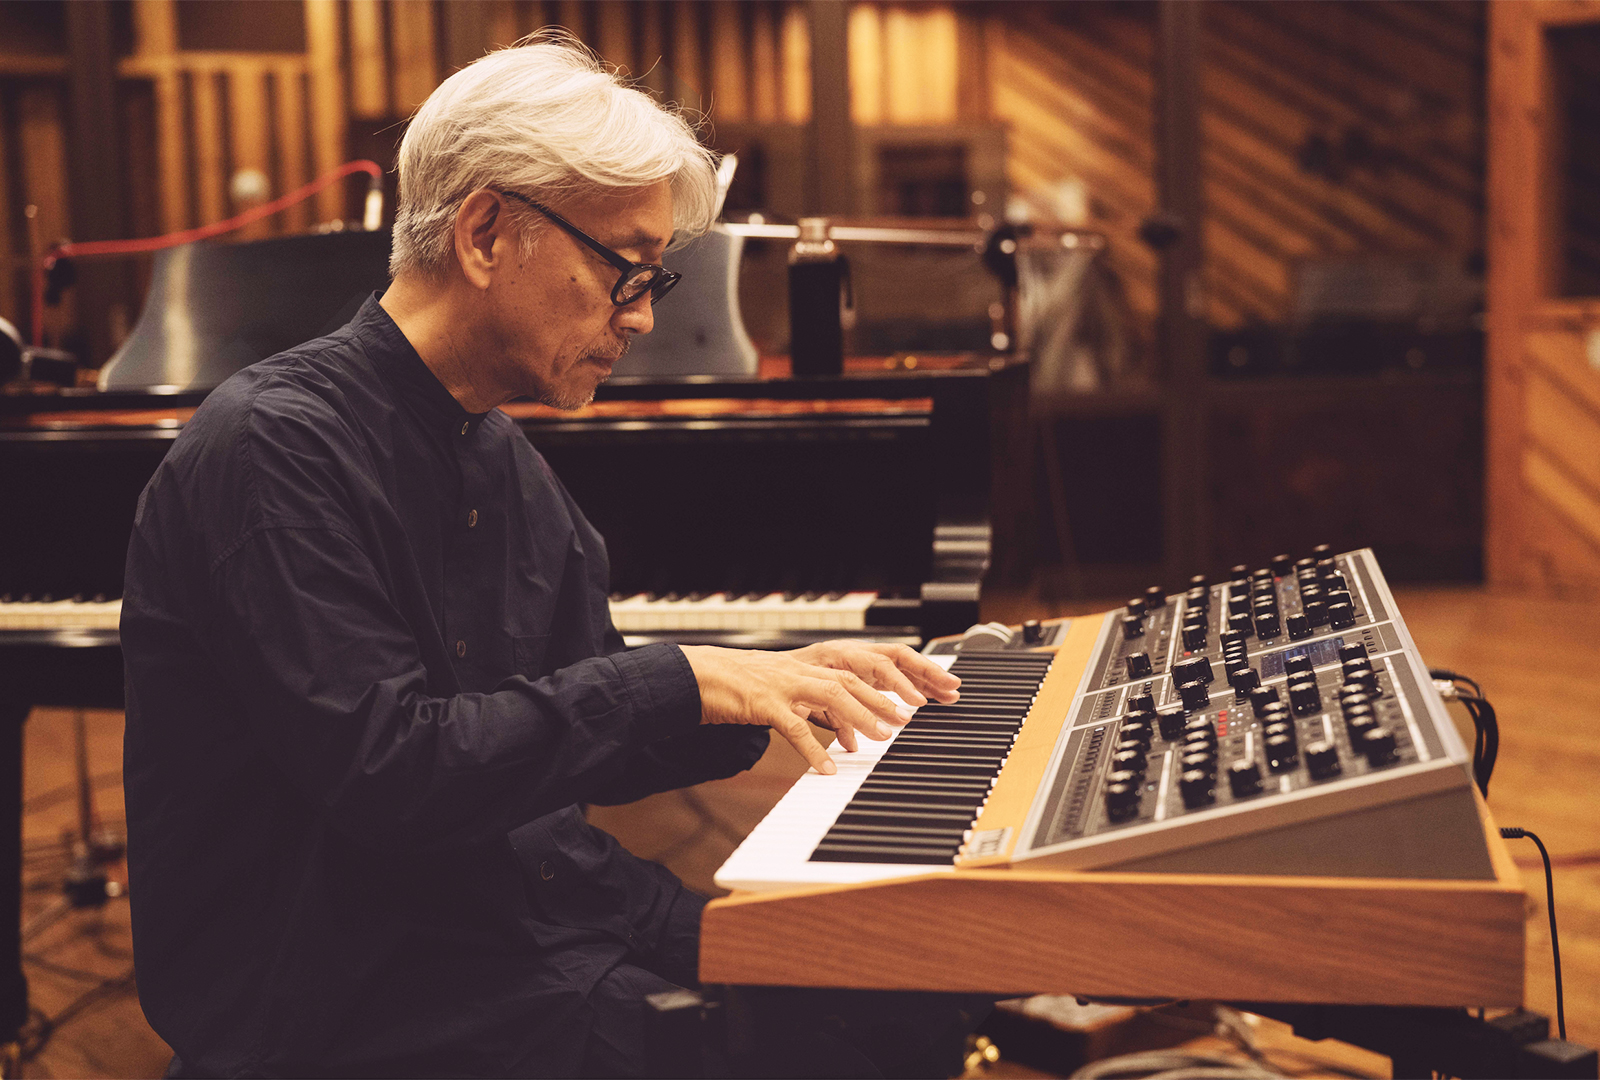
572	398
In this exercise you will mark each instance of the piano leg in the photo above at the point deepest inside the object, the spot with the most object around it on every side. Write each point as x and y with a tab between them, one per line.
13	984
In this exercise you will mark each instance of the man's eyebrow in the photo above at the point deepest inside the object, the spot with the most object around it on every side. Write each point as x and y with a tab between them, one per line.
639	238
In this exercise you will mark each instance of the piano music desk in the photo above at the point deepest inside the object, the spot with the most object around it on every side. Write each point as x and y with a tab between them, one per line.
1235	937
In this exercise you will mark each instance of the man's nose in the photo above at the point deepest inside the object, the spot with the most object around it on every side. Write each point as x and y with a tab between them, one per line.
637	317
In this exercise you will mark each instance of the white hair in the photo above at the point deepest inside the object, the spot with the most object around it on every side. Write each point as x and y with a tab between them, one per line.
544	118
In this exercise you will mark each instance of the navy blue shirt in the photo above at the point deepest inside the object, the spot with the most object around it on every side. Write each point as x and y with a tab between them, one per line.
371	671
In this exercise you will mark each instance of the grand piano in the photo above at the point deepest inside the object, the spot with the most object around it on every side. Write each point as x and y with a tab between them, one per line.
748	508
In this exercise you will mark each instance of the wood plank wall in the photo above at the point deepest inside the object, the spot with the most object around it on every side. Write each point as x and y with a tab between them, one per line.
1329	129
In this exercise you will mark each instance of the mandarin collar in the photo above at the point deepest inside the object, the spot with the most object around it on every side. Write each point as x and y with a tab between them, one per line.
399	364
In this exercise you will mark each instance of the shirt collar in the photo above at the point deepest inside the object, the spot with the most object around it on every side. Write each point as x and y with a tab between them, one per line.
398	364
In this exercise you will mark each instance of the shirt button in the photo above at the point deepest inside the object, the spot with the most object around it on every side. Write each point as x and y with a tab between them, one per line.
461	648
472	518
547	870
465	426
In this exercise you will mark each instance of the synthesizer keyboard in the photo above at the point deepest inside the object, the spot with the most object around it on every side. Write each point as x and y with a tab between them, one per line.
1279	722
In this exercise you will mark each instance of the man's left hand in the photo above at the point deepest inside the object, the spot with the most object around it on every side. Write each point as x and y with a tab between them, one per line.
896	668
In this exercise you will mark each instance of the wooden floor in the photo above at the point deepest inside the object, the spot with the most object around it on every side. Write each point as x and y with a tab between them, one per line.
1538	661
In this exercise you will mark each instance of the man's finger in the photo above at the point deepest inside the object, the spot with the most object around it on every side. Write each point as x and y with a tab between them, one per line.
798	732
931	678
829	695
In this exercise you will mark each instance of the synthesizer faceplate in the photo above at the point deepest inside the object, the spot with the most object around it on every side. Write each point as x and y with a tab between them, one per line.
1180	740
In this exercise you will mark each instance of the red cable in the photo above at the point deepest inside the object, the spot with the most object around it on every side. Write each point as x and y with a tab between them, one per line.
94	248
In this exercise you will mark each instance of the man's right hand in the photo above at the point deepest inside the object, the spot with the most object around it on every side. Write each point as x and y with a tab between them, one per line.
777	690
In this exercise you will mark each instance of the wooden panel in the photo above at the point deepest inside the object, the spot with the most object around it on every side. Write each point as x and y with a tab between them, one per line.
1135	935
1563	428
1548	480
730	76
248	118
1560	354
369	83
920	65
866	64
288	88
616	36
328	116
764	70
41	145
687	61
156	40
416	65
796	45
652	46
11	268
211	185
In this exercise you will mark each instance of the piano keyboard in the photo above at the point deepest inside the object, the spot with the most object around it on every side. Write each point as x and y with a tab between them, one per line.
903	806
60	614
648	613
643	613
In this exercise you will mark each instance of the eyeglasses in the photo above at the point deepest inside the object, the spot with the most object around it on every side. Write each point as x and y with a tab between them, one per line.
637	278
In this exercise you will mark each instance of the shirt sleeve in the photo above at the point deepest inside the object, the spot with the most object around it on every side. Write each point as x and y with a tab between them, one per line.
334	689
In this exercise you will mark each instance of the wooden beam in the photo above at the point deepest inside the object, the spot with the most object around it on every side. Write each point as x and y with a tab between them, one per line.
411	43
865	35
41	146
289	91
796	53
369	82
156	41
95	166
765	74
250	137
832	162
730	87
328	115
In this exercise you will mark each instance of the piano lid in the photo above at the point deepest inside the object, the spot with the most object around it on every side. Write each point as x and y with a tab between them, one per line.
216	308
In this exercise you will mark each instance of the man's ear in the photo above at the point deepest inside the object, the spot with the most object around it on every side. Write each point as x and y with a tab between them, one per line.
481	236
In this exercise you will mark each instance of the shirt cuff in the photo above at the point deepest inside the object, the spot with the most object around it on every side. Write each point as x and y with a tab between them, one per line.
662	688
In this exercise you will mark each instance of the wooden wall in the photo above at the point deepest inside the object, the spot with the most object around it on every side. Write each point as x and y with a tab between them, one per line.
1328	129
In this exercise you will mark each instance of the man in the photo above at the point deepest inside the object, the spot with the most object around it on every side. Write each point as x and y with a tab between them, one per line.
371	671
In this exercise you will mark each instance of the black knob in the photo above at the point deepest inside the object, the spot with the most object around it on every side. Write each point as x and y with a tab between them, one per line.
1199	581
1355	663
1194	636
1341	615
1378	745
1357	713
1132	627
1142	702
1304	697
1155	598
1326	564
1282	564
1265	604
1241	621
1261	697
1136	731
1245	681
1131	762
1197	600
1232	665
1352	650
1337	596
1274	731
1244	777
1238	571
1358	729
1322	760
1197	789
1310	589
1195	696
1229	638
1137	606
1322	551
1129	746
1200	728
1297	665
1354	699
1199	759
1171	720
1316	612
1192	668
1365	680
1299	626
1281	753
1032	632
1138	665
1196	744
1122	801
1267	625
1238	602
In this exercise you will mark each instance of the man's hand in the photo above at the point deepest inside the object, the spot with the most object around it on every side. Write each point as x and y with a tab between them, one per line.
833	684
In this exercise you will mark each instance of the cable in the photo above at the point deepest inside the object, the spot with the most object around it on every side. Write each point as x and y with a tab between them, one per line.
1486	747
1173	1065
1512	833
95	248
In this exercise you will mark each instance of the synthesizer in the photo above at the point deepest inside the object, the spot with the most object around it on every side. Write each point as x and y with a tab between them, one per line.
1249	790
1278	722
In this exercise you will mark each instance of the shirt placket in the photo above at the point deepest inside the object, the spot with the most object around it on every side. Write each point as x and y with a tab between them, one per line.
463	626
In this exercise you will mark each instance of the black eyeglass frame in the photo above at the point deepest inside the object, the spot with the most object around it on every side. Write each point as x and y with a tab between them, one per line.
658	284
